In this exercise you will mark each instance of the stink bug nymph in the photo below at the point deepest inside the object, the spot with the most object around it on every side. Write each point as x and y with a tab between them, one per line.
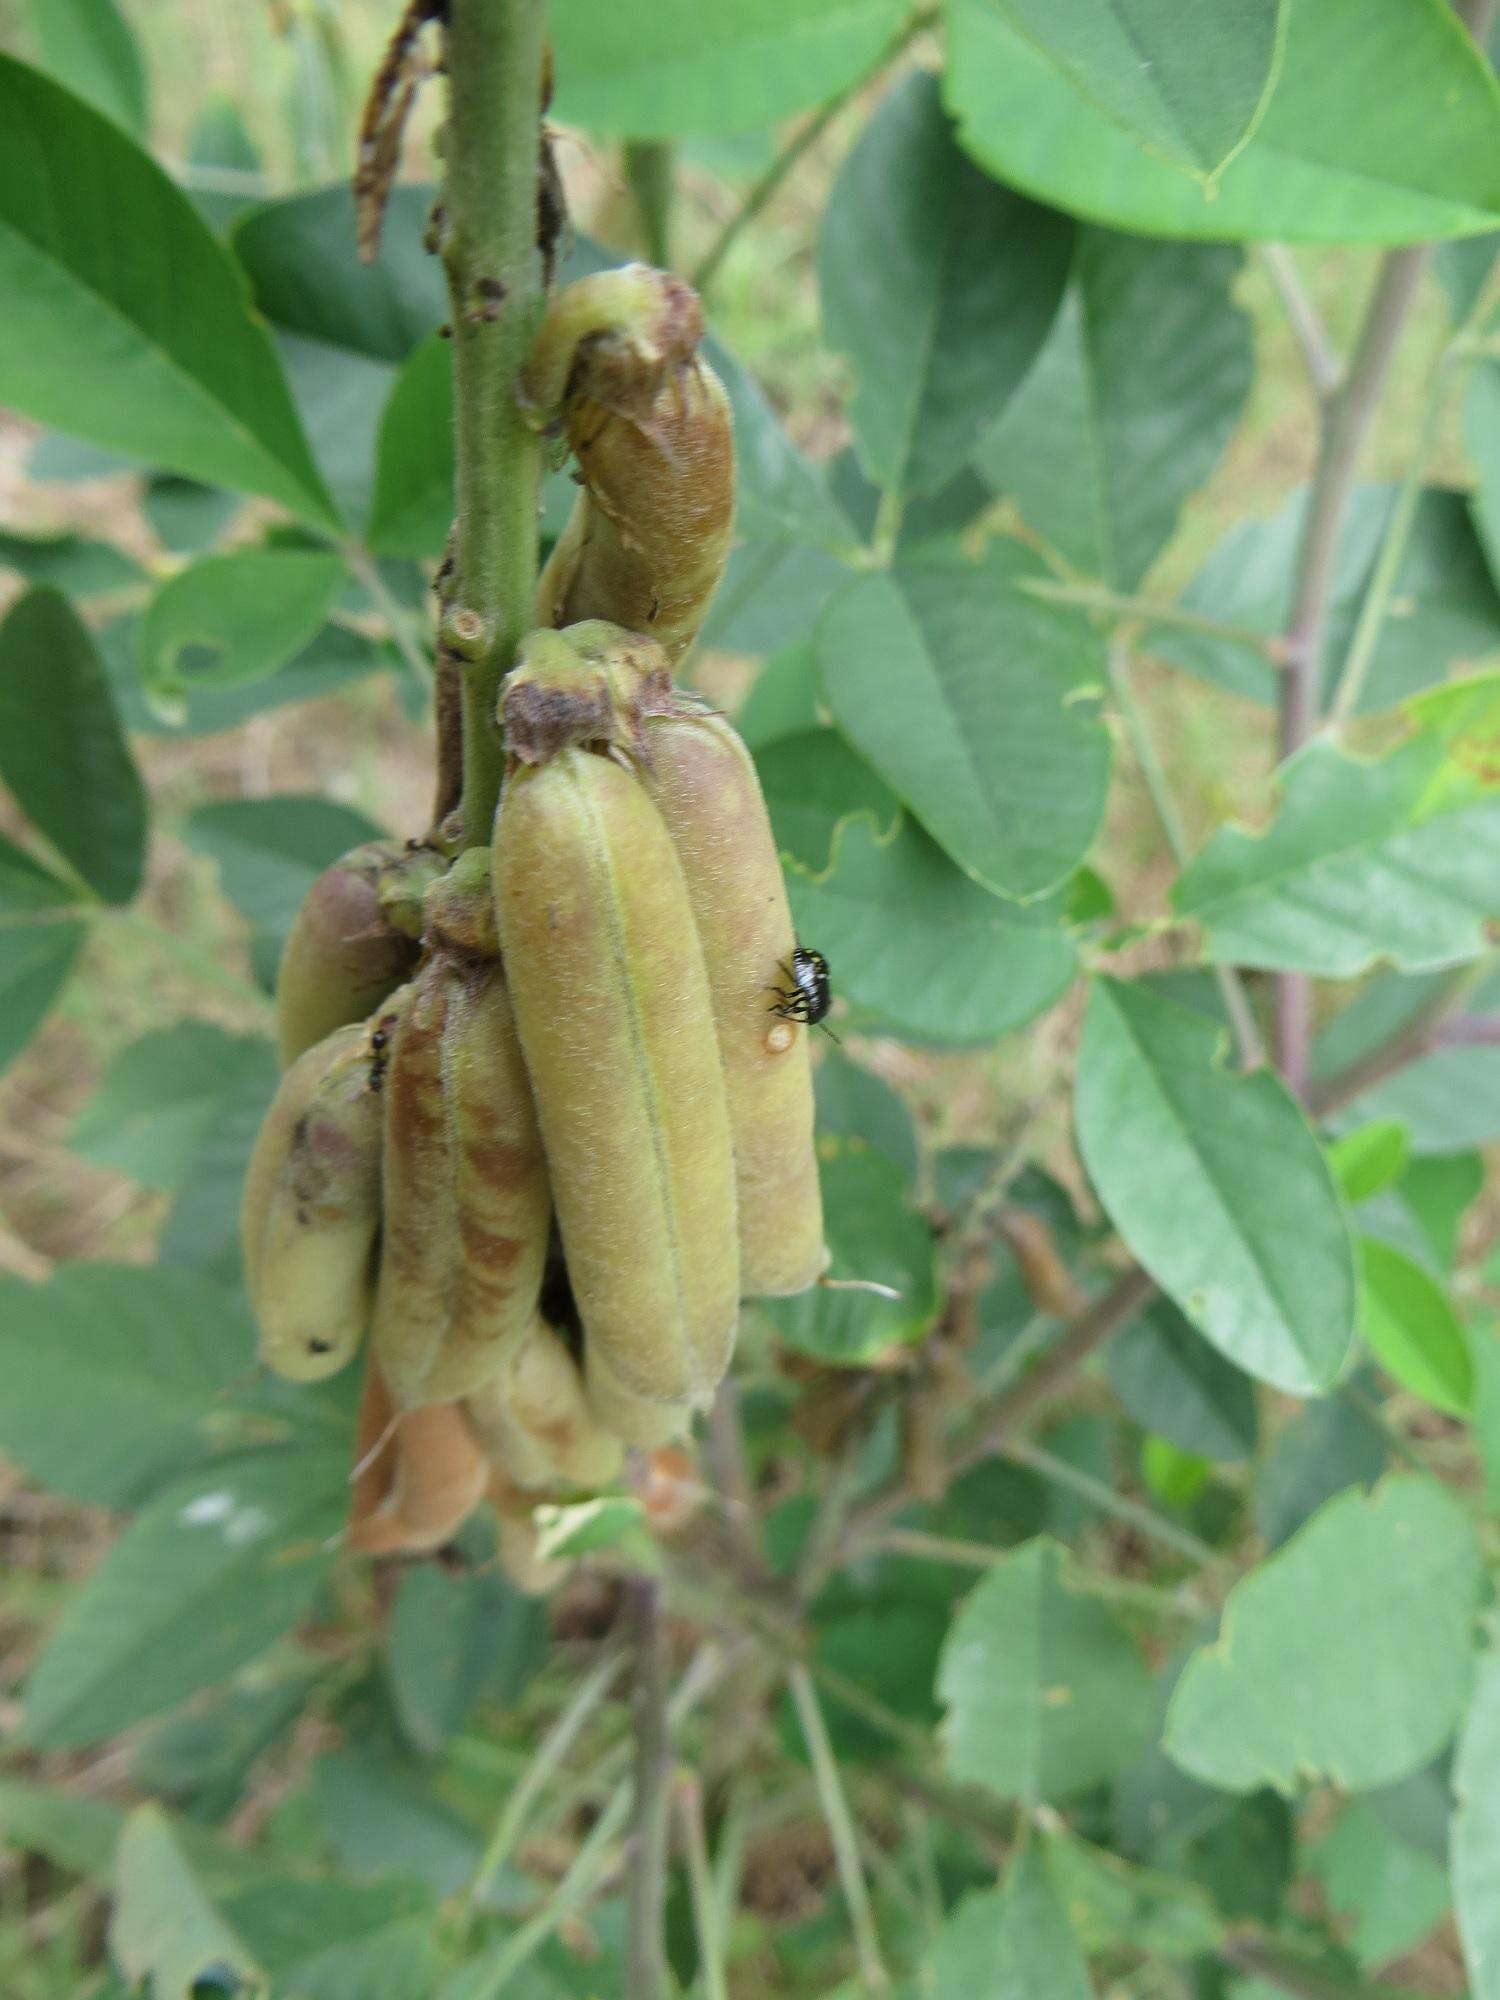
808	996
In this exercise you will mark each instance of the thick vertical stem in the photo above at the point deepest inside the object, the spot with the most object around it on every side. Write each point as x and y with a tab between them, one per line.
647	1884
491	148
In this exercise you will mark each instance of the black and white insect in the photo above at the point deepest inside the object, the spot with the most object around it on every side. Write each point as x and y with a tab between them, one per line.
808	995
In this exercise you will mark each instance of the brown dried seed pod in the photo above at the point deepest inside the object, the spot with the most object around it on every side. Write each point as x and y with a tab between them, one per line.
422	1474
648	420
353	941
704	781
612	1003
593	683
312	1210
517	1539
534	1420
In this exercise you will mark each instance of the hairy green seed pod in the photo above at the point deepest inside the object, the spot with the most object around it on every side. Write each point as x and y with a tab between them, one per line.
704	782
533	1419
353	942
639	1420
612	1004
312	1210
617	366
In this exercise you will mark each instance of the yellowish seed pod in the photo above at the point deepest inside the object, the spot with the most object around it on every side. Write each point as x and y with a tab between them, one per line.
612	1003
353	942
312	1210
502	1203
419	1252
640	1420
518	1539
534	1421
617	366
704	782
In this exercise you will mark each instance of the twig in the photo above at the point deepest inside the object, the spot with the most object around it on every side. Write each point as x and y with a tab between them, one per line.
1151	611
764	189
649	169
1323	365
398	621
841	1829
706	1922
534	1780
1426	1031
646	1885
1103	1496
1231	988
488	241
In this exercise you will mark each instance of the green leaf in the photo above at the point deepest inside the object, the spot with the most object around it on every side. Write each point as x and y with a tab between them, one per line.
381	1820
783	697
300	256
72	563
220	143
400	1962
872	1235
1482	436
1408	1323
1448	1101
1217	1184
154	354
922	948
1190	99
336	657
1176	1477
856	1103
1117	1907
116	1374
613	1521
449	1636
203	1229
271	850
658	68
975	703
204	1753
61	748
1476	1834
88	45
157	1102
163	1928
35	961
1339	156
1367	1160
1443	606
1010	1944
412	508
214	1569
1365	860
78	1834
1129	408
1377	1594
1045	1692
937	284
290	1921
1327	1447
229	619
1391	1893
814	784
1173	1383
186	516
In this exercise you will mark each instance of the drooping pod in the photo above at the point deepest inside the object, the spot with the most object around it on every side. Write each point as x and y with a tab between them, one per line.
467	1203
353	941
311	1210
642	1421
704	782
534	1420
419	1475
612	1003
616	366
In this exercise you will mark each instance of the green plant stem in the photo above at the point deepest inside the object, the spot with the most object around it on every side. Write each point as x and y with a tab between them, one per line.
538	1774
493	62
1150	611
650	171
841	1829
706	1924
1323	364
1416	1038
764	188
1231	989
399	621
1104	1497
646	1886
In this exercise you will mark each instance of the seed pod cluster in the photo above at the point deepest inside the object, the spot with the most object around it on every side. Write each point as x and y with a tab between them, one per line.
547	1115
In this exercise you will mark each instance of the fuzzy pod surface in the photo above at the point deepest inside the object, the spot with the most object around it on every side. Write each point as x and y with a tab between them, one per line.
612	1003
705	784
617	366
352	943
311	1210
534	1420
